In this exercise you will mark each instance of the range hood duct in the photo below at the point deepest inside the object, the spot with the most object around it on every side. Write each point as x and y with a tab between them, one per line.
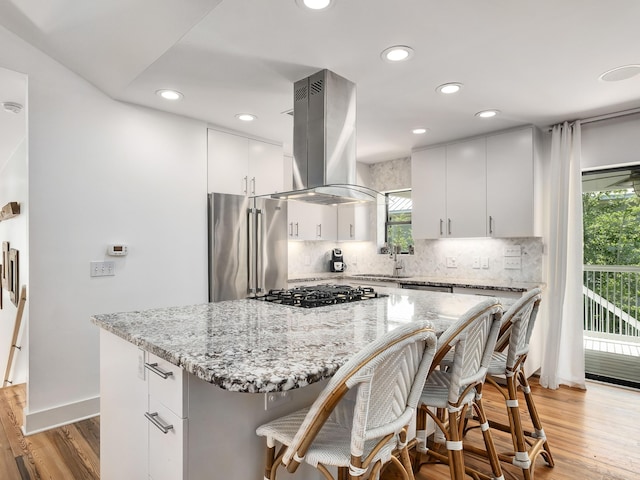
324	141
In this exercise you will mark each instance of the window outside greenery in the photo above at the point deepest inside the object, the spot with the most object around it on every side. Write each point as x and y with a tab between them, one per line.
398	224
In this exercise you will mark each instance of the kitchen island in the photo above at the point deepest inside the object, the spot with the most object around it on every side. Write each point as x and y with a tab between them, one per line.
229	367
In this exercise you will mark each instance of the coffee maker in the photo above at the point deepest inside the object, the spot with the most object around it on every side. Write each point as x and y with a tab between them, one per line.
336	264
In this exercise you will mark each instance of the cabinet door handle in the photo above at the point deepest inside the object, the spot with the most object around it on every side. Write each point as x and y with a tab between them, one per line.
319	230
297	232
291	229
351	230
153	418
441	225
490	224
253	185
449	226
246	185
154	368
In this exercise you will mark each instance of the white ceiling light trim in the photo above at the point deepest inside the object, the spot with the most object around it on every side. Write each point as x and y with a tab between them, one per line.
397	53
170	94
419	130
487	113
315	4
620	73
246	117
449	88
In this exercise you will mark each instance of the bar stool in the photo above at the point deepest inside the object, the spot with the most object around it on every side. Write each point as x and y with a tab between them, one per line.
359	422
515	334
453	390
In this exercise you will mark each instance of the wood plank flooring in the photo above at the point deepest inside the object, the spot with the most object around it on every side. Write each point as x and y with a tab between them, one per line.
594	435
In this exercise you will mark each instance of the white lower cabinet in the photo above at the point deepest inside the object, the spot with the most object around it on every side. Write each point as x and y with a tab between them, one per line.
167	443
210	432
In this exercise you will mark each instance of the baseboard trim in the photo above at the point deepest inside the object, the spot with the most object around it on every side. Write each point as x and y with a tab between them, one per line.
35	422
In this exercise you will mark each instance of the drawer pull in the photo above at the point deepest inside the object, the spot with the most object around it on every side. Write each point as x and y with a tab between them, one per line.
153	418
154	368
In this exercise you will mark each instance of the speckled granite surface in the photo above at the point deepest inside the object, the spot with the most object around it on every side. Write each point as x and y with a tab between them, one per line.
255	346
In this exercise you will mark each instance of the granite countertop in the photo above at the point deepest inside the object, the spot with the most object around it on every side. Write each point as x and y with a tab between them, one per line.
483	284
255	346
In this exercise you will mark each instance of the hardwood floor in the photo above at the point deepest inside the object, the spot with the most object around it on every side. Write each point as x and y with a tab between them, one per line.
594	435
65	453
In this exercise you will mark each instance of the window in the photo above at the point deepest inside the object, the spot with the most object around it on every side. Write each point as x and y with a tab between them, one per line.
398	221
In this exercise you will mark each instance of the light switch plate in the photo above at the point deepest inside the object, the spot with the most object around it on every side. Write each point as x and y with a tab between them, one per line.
476	262
102	269
512	263
513	251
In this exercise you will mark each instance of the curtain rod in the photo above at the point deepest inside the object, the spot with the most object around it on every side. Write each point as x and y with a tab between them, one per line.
599	118
607	116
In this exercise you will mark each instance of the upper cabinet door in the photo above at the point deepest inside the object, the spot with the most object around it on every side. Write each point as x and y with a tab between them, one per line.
228	162
466	189
510	180
354	222
428	193
266	168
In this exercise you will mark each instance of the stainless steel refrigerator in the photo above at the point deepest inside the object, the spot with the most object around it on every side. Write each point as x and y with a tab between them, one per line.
247	246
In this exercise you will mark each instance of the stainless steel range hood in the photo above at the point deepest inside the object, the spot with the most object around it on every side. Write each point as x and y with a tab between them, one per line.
324	141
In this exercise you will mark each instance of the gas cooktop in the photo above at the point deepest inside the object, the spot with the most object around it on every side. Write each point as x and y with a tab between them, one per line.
319	295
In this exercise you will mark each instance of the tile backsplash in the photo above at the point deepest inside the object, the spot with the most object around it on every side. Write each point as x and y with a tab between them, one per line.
429	259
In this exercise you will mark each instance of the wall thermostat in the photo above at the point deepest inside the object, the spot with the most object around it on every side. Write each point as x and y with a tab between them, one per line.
117	250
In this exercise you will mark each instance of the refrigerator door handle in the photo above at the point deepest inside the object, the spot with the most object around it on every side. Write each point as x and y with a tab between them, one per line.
259	249
251	244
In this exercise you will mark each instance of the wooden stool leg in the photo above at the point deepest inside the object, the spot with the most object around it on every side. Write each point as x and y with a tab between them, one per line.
521	458
492	453
535	418
454	446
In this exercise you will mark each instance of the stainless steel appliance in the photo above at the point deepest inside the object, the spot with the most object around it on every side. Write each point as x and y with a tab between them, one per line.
247	246
336	264
319	295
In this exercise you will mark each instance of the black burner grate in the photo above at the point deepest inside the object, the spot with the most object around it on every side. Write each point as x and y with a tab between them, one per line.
319	295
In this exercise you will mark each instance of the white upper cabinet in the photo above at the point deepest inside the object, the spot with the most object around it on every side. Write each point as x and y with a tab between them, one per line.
243	166
466	189
429	193
354	222
310	221
475	188
510	180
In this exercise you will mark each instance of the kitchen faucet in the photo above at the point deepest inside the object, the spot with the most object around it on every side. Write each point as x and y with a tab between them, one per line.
397	262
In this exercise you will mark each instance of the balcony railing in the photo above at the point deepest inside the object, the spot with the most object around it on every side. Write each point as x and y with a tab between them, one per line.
611	302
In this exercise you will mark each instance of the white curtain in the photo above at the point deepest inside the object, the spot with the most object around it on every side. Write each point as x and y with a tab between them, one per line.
563	352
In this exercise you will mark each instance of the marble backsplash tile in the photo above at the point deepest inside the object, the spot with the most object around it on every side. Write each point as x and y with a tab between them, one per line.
429	258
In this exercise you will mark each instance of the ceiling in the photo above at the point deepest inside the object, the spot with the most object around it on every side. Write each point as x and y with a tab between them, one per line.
537	62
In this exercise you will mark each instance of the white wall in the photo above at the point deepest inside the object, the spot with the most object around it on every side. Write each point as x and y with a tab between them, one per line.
13	188
101	172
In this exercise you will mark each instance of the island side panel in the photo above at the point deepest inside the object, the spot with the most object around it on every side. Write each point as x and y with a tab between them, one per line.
222	440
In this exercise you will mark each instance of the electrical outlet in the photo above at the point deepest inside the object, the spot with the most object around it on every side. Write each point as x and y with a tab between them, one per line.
102	269
513	251
276	399
476	262
452	262
485	262
512	263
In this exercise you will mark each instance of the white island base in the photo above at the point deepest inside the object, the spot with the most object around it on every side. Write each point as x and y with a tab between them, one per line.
213	435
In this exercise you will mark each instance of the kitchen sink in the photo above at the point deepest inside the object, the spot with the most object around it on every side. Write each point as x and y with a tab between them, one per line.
377	275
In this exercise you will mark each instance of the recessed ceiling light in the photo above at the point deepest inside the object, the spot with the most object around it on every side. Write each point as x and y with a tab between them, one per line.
246	117
397	53
487	113
449	88
315	4
170	94
419	131
620	73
